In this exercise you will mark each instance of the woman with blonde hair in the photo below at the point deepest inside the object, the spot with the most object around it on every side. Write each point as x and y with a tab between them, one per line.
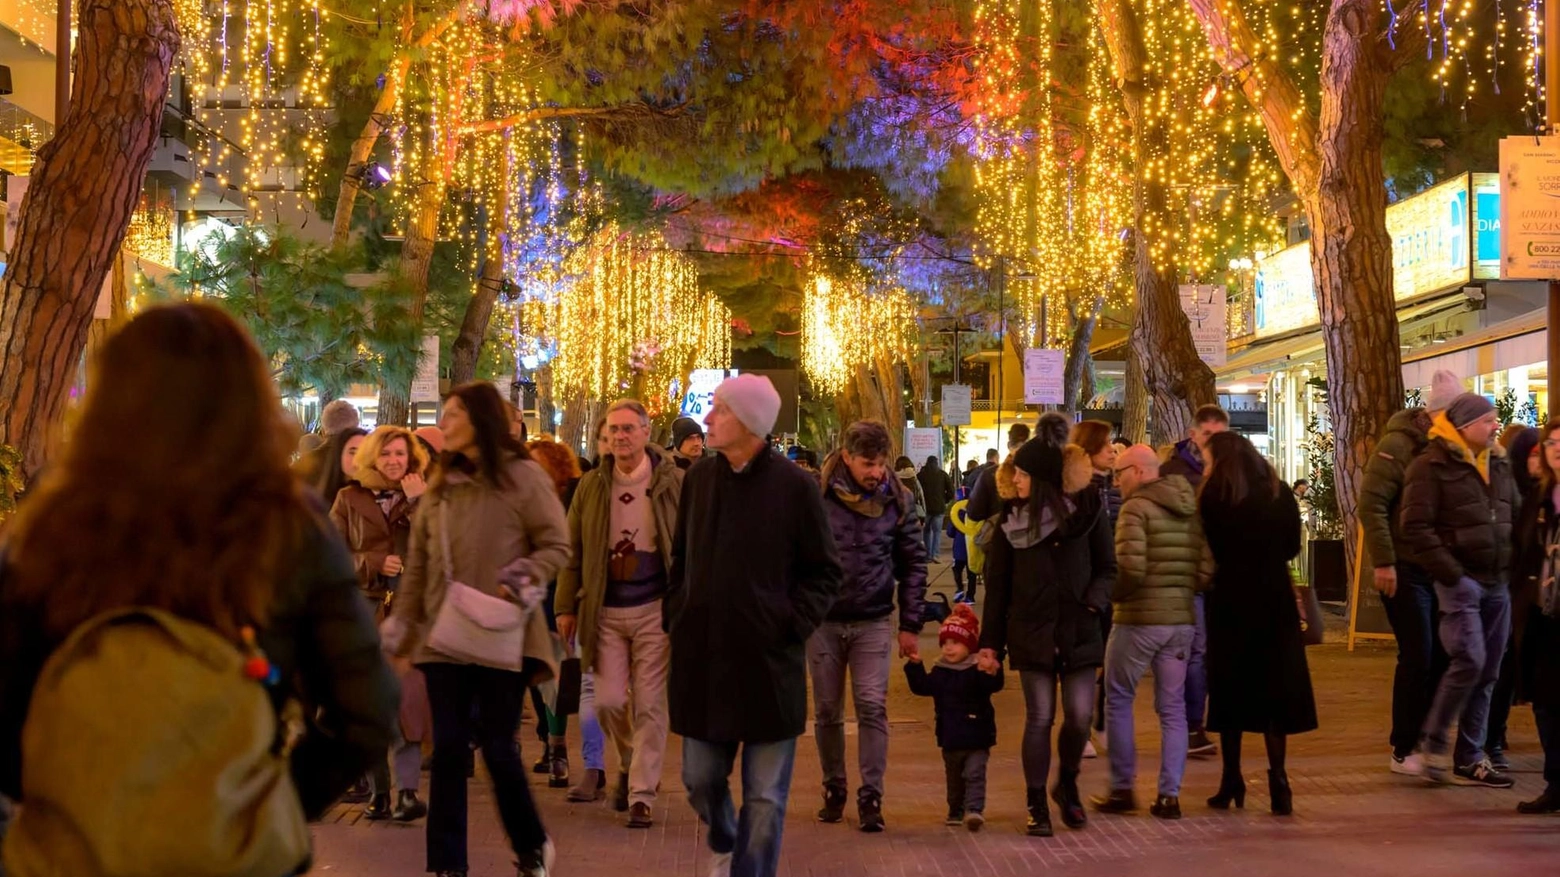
177	488
374	512
490	531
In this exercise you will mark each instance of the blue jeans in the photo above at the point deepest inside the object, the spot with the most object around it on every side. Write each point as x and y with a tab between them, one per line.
1420	661
593	743
1196	673
1132	649
1475	624
931	533
753	839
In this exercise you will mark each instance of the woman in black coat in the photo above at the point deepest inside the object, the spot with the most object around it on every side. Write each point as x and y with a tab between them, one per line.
1537	635
1258	680
1049	571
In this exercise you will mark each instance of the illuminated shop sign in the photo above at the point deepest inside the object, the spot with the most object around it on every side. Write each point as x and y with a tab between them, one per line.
1435	236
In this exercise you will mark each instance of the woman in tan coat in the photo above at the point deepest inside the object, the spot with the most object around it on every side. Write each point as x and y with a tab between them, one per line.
491	526
374	512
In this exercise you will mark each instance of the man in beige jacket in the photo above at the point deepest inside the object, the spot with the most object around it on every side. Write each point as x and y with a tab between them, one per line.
621	525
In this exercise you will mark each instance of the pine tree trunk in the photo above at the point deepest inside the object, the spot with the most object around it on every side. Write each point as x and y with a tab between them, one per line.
576	420
479	311
1134	406
1351	251
1335	164
85	186
416	260
1176	379
1078	361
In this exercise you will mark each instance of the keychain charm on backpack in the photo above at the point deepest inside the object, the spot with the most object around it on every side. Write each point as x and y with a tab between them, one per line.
289	718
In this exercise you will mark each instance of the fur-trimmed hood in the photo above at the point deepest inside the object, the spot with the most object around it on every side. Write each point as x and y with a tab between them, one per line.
1077	472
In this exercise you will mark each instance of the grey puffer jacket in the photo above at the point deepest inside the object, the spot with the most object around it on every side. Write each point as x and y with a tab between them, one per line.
1162	559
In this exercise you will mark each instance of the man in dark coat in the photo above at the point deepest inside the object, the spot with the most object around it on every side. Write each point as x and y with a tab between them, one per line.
879	540
1458	502
1407	592
937	487
754	572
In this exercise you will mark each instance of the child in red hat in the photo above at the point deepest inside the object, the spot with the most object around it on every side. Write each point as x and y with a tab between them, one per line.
960	686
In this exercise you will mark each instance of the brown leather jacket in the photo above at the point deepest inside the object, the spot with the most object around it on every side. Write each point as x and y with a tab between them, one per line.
371	534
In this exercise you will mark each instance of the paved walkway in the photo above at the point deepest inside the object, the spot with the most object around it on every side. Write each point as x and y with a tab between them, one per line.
1352	817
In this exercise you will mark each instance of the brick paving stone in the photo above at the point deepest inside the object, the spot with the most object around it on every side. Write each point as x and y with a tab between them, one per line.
1352	817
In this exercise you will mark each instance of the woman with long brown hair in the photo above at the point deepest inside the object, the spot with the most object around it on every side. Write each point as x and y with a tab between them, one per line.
174	494
1535	606
1258	679
491	530
374	512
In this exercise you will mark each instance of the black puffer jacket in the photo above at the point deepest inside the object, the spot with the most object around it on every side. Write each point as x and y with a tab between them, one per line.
1455	521
880	549
1043	602
962	695
321	636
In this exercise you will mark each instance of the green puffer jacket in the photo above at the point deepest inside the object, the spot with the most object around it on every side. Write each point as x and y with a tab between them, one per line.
1162	558
1405	438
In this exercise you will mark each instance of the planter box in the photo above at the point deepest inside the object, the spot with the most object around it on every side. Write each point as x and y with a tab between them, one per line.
1327	570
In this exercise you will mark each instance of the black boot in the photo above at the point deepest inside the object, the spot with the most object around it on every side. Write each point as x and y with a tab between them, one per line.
543	765
558	765
408	807
869	808
378	808
1166	807
1071	803
1548	802
1039	815
1278	790
1231	789
357	794
833	809
1118	801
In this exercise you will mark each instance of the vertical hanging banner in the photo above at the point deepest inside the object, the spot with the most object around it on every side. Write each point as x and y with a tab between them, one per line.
956	405
425	387
1206	309
1044	377
1530	208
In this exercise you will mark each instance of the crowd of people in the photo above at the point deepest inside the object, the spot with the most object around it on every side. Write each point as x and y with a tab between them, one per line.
641	591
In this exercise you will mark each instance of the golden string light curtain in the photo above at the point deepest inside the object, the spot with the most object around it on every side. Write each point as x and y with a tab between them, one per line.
634	321
847	324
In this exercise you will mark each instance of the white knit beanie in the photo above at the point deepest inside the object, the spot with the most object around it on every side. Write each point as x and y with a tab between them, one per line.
752	398
1444	387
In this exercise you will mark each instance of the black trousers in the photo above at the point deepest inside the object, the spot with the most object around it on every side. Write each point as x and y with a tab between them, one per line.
453	689
1421	659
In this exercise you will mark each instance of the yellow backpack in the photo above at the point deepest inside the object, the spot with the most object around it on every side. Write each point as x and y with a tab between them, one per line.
150	749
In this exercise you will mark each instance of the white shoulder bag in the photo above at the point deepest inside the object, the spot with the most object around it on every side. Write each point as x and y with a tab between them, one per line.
474	627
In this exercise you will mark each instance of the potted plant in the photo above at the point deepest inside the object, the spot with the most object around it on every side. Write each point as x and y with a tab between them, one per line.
1326	567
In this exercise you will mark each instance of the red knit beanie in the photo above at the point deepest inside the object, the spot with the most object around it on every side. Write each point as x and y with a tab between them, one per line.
962	626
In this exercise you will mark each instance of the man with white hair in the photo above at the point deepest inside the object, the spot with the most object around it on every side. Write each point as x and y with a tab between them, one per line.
1162	561
754	572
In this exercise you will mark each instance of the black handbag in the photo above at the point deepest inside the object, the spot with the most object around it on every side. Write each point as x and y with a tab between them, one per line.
568	701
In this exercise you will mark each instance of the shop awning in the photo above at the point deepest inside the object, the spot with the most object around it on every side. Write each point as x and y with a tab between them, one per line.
1511	343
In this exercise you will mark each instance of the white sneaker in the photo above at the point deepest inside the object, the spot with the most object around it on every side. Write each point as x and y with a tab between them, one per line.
720	865
1411	765
1437	769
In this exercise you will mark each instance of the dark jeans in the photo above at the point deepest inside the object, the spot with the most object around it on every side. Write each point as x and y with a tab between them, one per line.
959	569
1548	721
452	690
1475	624
1421	659
753	838
966	770
931	536
1196	671
1040	714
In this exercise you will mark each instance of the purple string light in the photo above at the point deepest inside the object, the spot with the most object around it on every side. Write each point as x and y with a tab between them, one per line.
1392	25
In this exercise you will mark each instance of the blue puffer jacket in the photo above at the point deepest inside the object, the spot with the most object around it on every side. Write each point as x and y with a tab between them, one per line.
880	554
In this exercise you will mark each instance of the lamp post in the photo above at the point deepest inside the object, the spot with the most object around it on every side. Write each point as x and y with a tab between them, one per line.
1552	116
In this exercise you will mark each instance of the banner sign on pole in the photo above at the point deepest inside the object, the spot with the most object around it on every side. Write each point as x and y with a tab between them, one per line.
956	405
1205	308
1530	208
1044	377
921	443
425	387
